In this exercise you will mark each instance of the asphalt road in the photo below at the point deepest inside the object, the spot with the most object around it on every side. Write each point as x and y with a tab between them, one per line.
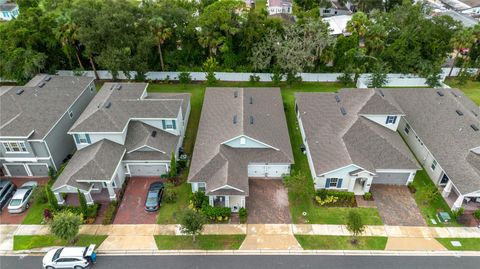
263	262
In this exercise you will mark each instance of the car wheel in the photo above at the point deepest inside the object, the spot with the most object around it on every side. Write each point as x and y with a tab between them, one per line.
28	206
78	267
49	267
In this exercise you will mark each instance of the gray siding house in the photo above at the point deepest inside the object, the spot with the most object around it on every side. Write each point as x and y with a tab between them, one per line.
34	120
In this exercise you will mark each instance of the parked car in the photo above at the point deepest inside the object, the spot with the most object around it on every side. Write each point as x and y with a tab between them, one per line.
7	189
154	197
69	257
19	202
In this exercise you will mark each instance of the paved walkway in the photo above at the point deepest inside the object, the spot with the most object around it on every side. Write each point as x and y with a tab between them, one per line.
408	243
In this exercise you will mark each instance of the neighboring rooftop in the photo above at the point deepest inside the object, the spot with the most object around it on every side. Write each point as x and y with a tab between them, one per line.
228	113
116	103
337	24
450	137
34	109
8	7
338	135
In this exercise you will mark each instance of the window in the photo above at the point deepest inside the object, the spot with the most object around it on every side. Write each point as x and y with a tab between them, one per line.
91	88
391	119
82	138
407	128
243	141
15	146
70	113
169	124
201	186
434	165
333	183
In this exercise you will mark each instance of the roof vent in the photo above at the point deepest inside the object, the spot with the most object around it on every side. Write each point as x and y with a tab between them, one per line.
474	113
459	112
474	127
251	120
154	133
108	105
251	99
337	98
235	119
440	93
235	94
454	94
48	78
19	91
381	93
41	84
118	87
344	112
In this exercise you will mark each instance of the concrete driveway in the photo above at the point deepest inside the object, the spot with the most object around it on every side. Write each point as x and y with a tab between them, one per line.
132	210
267	202
396	205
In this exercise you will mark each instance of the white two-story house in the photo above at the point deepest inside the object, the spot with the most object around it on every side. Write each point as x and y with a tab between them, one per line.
123	132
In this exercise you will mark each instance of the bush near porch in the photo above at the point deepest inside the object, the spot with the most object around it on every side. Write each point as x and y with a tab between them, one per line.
325	197
199	202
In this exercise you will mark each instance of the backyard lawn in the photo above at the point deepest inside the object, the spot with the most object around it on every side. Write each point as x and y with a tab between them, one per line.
471	89
425	187
204	242
332	242
23	242
467	243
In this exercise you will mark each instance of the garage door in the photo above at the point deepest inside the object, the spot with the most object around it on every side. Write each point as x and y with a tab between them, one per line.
38	169
391	178
147	170
277	170
271	170
257	170
17	170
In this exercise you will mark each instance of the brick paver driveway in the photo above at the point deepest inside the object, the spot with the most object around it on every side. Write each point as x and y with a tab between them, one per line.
396	205
268	202
131	210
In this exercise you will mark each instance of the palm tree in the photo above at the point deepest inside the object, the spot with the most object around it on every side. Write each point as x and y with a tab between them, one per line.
359	25
462	39
66	33
161	33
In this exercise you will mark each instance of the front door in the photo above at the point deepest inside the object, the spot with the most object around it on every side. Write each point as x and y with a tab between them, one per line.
219	201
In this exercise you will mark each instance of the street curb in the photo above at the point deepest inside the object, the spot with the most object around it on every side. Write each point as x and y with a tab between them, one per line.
260	252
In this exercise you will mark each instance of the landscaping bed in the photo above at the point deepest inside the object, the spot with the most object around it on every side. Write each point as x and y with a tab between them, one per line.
331	242
24	242
203	242
472	244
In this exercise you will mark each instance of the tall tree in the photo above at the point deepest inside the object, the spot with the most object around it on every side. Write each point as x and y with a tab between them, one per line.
192	222
66	33
161	32
462	39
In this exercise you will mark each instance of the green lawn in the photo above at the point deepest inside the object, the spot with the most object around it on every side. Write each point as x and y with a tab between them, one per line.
204	242
424	186
260	4
341	242
168	213
467	243
35	213
23	242
471	89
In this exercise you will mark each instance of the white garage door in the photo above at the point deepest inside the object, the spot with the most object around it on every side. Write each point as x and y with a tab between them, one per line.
147	169
391	178
271	170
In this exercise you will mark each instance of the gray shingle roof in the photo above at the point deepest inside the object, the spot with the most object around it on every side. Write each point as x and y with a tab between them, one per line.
221	165
95	162
447	135
336	140
38	109
139	135
111	109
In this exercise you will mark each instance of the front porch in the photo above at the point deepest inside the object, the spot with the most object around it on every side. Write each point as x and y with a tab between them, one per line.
455	200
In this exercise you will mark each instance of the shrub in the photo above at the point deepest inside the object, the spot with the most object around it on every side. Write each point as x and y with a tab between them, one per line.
368	196
345	79
411	187
173	166
47	214
254	79
217	213
276	77
83	203
243	213
170	195
52	200
198	200
65	225
110	212
209	66
344	198
192	222
293	78
184	78
457	213
476	214
328	200
39	196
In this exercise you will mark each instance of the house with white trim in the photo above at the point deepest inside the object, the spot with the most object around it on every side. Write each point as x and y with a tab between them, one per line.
124	131
279	7
242	135
351	140
8	10
35	119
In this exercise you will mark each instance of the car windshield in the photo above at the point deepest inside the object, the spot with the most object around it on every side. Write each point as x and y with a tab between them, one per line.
15	202
57	254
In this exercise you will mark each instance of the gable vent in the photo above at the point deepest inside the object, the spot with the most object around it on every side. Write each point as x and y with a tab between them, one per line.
251	99
235	119
48	78
251	120
440	93
41	84
154	133
381	93
108	105
235	94
459	112
343	111
19	91
474	127
337	98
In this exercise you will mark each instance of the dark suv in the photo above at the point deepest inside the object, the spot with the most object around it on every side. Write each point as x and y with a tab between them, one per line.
154	197
7	189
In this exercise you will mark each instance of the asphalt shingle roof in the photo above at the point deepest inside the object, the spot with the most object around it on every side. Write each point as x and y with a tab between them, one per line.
38	109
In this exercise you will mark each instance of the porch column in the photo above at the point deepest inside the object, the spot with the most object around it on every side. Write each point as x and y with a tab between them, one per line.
210	200
458	203
89	198
59	197
111	192
448	188
227	201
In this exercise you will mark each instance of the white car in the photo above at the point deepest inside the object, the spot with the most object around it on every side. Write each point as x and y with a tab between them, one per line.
68	257
19	201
